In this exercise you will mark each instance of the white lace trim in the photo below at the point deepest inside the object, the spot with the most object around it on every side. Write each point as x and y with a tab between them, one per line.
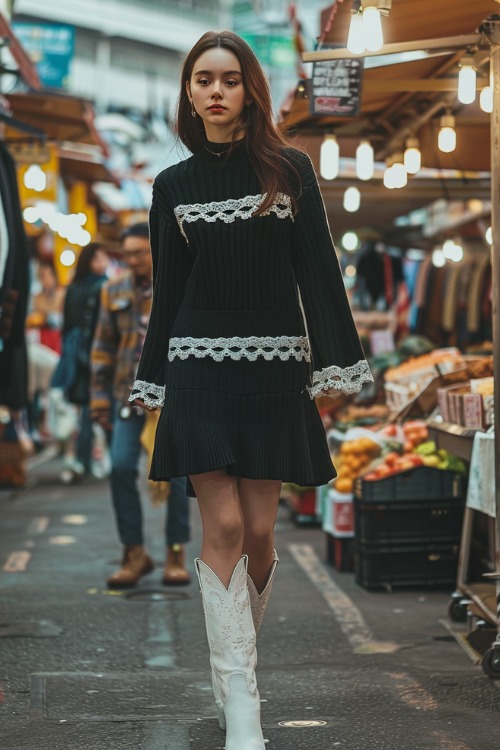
151	394
345	379
237	348
232	209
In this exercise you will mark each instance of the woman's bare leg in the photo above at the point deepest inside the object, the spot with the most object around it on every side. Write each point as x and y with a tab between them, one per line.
222	521
259	500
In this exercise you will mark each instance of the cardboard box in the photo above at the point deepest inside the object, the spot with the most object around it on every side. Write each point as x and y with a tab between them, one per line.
458	404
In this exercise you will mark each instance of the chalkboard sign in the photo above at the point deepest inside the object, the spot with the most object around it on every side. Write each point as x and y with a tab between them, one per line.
336	87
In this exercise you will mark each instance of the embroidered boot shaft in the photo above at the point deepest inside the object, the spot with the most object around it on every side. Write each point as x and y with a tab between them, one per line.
233	654
258	605
258	602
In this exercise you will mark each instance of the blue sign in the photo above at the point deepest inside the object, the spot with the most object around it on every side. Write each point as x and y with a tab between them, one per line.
51	47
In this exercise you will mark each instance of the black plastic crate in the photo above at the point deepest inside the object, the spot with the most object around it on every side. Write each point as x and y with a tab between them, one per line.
388	566
420	483
413	521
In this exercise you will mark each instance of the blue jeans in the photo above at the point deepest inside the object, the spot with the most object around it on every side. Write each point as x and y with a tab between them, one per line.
125	454
84	439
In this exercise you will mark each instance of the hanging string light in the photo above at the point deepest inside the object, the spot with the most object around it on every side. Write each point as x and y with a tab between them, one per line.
388	177
486	99
365	30
412	156
438	259
399	173
329	158
447	138
467	80
372	27
352	199
356	37
365	161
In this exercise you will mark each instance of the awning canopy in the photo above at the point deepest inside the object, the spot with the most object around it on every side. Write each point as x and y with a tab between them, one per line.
60	117
79	162
402	99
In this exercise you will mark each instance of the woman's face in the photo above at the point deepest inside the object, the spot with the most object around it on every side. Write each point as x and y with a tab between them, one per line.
47	278
217	92
99	263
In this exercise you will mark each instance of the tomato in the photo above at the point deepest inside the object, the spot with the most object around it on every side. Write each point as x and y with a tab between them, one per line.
372	476
391	430
408	446
391	458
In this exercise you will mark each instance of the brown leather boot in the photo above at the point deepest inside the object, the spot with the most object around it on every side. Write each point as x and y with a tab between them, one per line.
175	573
135	564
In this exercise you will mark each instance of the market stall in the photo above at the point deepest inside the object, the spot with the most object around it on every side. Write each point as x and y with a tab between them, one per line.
405	106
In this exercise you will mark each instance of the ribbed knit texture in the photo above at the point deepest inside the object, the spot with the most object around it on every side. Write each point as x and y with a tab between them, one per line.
239	278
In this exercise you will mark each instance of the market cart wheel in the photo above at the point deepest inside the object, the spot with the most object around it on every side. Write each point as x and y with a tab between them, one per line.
457	609
491	663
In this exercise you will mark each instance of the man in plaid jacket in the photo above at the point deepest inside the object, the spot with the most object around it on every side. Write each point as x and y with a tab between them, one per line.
121	328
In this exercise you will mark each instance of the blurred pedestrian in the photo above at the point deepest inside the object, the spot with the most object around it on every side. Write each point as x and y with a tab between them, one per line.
121	329
45	316
235	229
81	310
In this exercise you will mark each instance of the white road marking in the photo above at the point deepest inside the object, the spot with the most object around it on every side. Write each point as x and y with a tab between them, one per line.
38	525
17	562
62	539
346	613
75	519
158	648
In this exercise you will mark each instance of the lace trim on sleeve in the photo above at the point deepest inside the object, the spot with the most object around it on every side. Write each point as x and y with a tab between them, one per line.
151	394
345	379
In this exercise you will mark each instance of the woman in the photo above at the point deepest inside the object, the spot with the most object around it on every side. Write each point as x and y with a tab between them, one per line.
81	310
234	229
46	312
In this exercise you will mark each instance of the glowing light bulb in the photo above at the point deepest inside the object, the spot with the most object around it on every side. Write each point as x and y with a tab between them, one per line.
329	159
35	178
489	236
486	99
356	36
365	161
388	178
372	27
412	156
438	259
447	138
350	241
399	175
352	199
67	258
467	80
350	271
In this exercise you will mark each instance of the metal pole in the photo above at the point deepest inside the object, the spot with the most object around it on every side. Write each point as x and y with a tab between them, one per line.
493	668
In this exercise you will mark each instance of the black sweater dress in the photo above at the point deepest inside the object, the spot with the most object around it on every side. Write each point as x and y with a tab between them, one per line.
233	354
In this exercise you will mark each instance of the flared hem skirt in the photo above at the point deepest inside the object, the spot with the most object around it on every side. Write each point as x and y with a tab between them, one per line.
254	420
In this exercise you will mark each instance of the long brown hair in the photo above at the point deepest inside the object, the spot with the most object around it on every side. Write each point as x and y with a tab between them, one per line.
263	141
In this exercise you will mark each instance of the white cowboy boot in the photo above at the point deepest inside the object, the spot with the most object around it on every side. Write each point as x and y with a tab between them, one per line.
233	654
258	604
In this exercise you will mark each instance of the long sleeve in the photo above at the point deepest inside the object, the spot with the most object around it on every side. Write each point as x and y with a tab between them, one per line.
338	359
171	269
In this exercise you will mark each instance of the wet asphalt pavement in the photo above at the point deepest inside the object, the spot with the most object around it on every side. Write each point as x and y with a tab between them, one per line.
82	668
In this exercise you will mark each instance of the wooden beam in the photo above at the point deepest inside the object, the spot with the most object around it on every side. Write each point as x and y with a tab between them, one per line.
409	84
451	43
